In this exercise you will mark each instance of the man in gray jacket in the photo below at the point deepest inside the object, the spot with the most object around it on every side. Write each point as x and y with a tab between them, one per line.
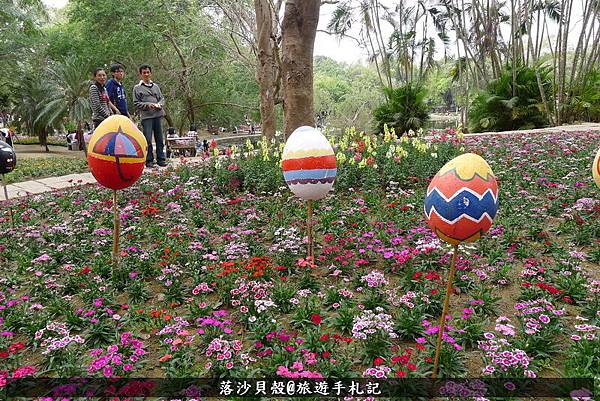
148	99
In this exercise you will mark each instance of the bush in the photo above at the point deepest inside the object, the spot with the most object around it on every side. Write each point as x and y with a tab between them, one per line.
363	162
404	110
34	140
30	169
585	104
496	109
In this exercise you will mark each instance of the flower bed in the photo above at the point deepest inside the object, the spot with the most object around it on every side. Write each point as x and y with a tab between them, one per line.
213	280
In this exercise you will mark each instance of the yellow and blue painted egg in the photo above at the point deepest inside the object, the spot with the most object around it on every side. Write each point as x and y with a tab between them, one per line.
462	199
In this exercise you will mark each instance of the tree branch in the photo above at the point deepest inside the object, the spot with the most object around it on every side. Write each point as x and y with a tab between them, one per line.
242	106
343	35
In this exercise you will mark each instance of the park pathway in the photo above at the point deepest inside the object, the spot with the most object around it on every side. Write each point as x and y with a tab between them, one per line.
43	185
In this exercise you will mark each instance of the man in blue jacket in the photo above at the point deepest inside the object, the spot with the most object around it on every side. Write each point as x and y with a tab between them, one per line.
116	91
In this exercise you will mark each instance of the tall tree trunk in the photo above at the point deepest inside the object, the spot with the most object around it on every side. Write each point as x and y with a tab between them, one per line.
380	42
299	29
265	71
43	137
184	79
538	77
513	46
562	72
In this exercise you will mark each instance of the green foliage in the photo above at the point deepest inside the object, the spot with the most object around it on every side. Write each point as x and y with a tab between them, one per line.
345	93
585	104
438	84
404	110
502	108
29	169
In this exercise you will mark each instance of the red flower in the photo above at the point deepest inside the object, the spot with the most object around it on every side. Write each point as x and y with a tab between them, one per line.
316	318
432	276
378	361
4	354
411	366
417	275
85	270
401	373
420	347
13	348
324	337
326	354
434	292
401	359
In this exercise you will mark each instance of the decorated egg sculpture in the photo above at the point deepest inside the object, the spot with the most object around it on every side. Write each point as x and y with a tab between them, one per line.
8	158
117	152
462	199
308	163
596	169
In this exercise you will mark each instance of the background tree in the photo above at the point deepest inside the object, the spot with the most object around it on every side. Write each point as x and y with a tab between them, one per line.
299	30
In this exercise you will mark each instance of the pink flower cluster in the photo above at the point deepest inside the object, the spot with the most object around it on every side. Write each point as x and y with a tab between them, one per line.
584	330
374	279
19	373
57	337
501	357
407	299
215	321
202	288
504	327
370	323
378	372
252	297
537	314
118	359
94	315
431	330
297	372
226	352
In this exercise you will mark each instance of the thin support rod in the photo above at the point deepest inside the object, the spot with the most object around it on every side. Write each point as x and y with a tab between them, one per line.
116	231
10	213
438	346
309	225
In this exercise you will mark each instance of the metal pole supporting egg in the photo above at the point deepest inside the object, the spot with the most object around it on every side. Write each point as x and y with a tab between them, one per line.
460	206
309	169
116	155
8	162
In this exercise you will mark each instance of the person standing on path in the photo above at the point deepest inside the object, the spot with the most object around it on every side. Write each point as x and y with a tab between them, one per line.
99	99
150	102
116	90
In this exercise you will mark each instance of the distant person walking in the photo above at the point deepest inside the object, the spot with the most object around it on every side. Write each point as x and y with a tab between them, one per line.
150	102
116	90
99	99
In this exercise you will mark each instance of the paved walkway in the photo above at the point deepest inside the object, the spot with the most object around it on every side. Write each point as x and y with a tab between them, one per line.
595	127
34	187
26	188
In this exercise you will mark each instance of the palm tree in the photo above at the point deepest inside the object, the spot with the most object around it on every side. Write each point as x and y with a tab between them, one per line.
33	93
69	97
